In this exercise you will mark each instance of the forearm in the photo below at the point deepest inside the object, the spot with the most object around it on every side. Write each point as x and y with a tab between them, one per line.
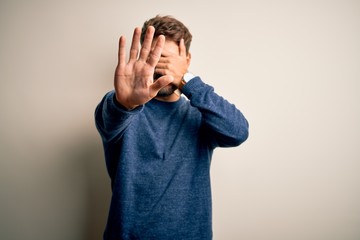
111	118
227	124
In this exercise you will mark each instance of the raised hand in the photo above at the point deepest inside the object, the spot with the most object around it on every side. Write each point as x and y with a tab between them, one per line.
134	84
174	61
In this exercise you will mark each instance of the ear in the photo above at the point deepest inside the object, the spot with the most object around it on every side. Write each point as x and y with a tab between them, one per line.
188	58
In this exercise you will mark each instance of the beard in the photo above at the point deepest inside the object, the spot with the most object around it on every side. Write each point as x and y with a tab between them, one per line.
167	90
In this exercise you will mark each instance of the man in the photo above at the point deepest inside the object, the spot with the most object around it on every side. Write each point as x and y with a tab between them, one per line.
158	144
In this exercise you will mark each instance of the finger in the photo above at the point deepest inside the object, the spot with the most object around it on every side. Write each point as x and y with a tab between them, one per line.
163	59
134	50
182	48
146	45
160	83
155	54
122	51
160	65
160	71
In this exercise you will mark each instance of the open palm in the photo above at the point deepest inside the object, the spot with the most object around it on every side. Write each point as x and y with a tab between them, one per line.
134	83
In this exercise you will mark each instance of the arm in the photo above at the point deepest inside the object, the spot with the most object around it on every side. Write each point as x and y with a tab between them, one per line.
133	84
112	119
225	124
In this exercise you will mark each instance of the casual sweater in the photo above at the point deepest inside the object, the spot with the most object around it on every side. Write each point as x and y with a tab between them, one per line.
158	158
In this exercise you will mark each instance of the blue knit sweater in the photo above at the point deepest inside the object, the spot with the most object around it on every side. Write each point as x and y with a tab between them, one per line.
158	158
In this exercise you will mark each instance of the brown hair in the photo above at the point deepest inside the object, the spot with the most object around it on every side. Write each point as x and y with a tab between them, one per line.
170	27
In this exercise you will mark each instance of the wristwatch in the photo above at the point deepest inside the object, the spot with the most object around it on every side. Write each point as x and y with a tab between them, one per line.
187	77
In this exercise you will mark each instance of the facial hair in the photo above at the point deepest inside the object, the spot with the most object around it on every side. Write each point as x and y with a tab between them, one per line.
167	90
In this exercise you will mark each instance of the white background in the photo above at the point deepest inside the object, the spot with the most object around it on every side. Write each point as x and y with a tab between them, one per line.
292	67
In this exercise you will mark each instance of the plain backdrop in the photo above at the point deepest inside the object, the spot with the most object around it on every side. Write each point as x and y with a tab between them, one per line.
292	68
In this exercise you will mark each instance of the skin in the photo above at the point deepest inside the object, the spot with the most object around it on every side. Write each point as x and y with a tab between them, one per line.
133	82
174	62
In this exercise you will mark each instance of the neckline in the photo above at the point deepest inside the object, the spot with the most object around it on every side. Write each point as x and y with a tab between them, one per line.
167	104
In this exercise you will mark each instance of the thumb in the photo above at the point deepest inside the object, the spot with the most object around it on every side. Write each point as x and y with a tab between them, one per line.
160	83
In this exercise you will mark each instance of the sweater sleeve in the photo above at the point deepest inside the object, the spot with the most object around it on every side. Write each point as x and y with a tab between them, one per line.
224	124
112	119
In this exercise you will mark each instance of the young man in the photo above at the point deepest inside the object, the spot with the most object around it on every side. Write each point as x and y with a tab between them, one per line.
158	144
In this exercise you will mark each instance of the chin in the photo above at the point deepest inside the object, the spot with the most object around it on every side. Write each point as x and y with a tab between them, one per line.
167	91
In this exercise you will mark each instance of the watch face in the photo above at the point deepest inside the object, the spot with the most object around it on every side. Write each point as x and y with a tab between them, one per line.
188	76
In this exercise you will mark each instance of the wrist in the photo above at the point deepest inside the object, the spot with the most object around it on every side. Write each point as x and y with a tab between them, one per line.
185	79
123	105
